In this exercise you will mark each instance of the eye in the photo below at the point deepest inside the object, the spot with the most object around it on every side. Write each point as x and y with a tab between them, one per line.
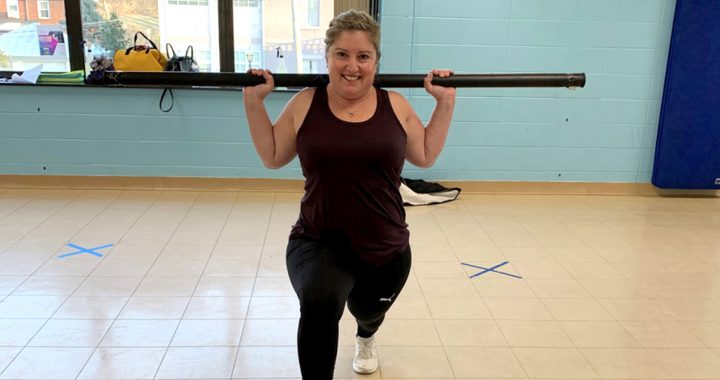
340	54
365	57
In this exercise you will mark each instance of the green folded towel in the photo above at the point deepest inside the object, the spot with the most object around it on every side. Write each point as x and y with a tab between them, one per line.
71	77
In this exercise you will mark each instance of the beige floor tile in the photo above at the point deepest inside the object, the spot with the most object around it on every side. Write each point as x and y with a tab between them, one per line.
409	307
78	265
518	309
123	363
599	334
8	284
71	333
534	334
273	307
443	287
187	251
166	287
575	255
408	333
140	333
625	363
29	306
576	309
241	267
113	266
225	286
47	286
266	362
503	287
19	267
688	363
635	309
539	270
414	362
458	308
662	334
692	309
528	254
706	332
452	270
432	253
108	286
237	252
486	362
270	332
650	263
560	363
557	288
154	308
7	354
17	332
197	363
171	267
217	308
597	270
47	363
273	287
135	251
469	333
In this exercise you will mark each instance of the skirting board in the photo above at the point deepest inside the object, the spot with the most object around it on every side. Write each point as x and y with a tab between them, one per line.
296	185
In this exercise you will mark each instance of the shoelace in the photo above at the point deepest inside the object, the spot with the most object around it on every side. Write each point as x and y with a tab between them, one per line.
365	349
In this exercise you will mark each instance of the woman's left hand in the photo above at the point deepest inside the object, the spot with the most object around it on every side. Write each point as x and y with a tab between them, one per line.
439	92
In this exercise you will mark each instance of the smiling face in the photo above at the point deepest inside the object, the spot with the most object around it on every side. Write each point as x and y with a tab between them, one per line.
352	63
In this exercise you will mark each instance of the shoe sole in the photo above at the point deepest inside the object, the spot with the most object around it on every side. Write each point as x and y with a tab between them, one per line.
363	371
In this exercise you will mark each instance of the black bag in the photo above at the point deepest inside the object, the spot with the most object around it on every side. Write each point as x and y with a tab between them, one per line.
181	62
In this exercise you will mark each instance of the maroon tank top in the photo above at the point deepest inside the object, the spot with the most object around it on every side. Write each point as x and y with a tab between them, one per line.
352	172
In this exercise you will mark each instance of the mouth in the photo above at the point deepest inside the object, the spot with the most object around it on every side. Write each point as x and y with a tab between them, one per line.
351	78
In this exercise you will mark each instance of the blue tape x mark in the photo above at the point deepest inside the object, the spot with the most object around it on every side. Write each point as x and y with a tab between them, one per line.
492	269
85	250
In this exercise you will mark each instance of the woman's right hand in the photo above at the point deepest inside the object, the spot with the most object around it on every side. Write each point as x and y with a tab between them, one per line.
260	91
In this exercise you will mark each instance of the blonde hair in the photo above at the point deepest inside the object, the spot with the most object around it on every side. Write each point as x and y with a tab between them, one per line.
353	20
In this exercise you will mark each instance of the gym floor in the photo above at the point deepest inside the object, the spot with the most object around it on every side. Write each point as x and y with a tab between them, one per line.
113	284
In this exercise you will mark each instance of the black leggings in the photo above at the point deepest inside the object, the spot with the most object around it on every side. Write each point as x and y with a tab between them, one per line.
324	280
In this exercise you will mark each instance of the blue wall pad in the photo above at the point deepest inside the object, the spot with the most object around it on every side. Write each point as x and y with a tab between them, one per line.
687	154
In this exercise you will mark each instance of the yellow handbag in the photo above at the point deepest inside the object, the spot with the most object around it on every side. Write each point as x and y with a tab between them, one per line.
140	57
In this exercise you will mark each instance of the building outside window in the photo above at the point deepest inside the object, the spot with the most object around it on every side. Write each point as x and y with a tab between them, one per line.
313	13
12	9
43	9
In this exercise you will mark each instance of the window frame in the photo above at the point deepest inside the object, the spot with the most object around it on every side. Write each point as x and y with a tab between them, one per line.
40	9
73	19
16	12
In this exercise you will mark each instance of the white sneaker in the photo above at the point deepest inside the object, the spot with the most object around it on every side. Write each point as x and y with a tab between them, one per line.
366	360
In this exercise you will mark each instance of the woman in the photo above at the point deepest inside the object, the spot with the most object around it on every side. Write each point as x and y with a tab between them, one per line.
350	243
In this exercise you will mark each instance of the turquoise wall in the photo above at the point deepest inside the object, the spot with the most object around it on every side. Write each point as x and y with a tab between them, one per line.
604	132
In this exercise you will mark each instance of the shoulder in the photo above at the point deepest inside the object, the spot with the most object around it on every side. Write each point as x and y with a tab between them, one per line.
304	96
400	105
299	105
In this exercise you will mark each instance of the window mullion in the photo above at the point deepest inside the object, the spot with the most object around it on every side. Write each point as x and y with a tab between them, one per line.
74	33
226	35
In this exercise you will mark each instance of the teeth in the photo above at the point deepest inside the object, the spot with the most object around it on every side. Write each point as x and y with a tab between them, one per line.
351	77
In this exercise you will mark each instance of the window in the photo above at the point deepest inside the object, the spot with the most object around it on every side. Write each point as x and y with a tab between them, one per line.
30	37
285	36
110	25
313	13
12	9
285	33
246	3
43	9
188	2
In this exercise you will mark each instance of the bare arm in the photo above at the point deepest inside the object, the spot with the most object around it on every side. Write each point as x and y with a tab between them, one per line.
274	143
426	142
